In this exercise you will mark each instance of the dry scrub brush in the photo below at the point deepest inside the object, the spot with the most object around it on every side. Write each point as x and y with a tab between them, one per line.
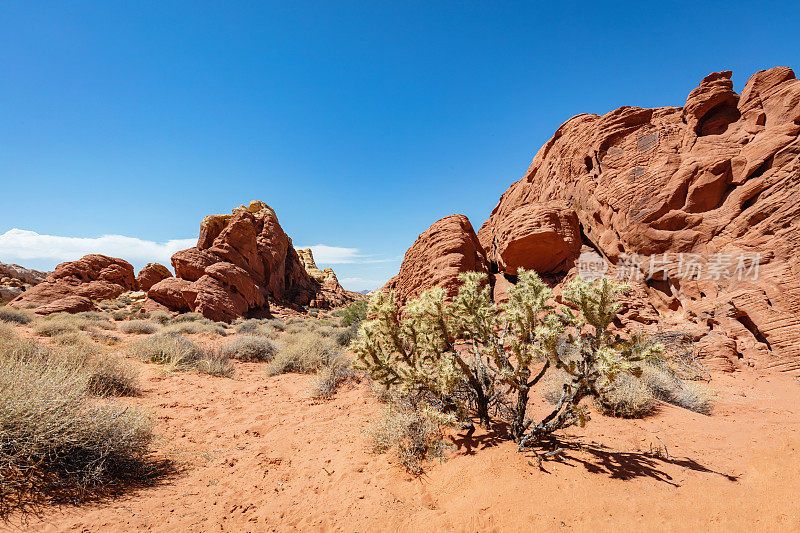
250	348
141	327
413	429
304	351
58	440
15	316
177	353
480	358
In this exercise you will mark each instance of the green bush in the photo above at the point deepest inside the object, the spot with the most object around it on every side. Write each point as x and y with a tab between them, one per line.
354	313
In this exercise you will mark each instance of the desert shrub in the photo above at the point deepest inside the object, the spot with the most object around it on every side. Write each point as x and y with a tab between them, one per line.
139	327
196	327
160	317
57	323
694	396
187	317
120	315
177	353
344	336
413	430
55	441
313	312
112	376
330	378
277	324
15	316
627	397
73	338
304	352
249	348
354	313
479	357
254	326
295	320
215	364
50	327
104	337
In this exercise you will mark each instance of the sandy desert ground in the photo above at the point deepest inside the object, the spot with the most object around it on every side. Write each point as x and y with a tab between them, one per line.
256	453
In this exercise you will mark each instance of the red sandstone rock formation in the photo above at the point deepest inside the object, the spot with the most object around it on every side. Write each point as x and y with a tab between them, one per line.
443	251
240	261
541	237
151	274
718	178
713	184
73	286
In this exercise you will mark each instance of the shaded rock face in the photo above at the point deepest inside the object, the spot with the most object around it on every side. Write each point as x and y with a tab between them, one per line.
446	249
14	280
151	274
73	286
240	261
716	179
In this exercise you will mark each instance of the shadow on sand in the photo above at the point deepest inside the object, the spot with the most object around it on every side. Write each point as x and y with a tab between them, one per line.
594	457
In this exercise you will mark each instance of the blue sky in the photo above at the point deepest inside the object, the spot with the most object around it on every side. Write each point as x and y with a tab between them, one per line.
360	123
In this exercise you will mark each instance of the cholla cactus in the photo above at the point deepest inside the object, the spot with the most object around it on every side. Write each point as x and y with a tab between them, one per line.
499	353
584	347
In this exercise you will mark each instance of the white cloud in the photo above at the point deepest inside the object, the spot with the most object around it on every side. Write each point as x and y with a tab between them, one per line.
17	244
333	255
361	284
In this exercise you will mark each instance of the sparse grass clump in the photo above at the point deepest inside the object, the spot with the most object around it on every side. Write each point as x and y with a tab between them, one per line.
250	348
139	327
628	398
177	353
160	317
305	351
15	316
414	430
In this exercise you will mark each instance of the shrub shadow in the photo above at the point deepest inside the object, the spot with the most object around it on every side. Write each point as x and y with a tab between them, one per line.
26	495
599	459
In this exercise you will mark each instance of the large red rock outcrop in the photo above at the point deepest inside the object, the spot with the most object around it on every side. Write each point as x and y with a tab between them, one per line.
240	262
75	285
541	237
716	180
443	251
151	274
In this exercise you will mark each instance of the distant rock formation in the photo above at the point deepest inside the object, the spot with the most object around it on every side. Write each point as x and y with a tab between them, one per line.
14	280
240	262
695	206
74	286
